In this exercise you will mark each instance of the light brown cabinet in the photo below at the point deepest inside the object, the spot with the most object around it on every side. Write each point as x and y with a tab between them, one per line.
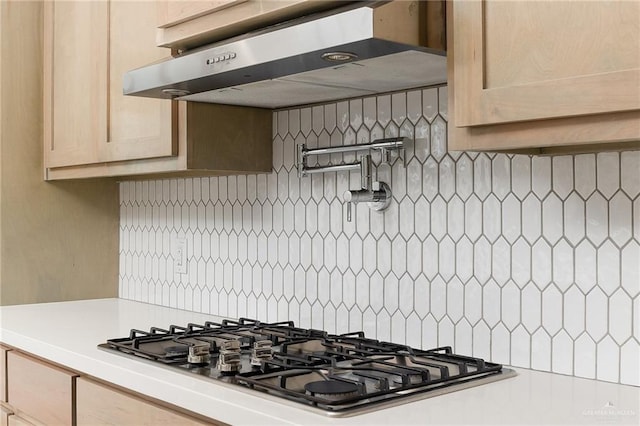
534	74
99	404
3	373
91	129
186	24
40	390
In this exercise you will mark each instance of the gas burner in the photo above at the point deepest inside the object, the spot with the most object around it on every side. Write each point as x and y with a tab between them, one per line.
331	390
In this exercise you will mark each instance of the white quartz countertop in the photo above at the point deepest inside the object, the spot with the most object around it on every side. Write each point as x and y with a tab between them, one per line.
68	333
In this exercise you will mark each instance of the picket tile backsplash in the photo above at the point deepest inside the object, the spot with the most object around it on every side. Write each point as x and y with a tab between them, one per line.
528	261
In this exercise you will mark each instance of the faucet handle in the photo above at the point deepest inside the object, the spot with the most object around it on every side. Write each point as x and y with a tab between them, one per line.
349	204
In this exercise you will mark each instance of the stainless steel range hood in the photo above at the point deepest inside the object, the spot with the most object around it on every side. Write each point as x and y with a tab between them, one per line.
349	52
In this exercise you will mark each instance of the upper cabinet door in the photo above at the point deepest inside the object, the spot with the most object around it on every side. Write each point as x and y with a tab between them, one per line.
533	60
75	79
137	127
89	45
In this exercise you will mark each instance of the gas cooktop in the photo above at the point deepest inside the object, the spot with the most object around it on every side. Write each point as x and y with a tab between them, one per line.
339	375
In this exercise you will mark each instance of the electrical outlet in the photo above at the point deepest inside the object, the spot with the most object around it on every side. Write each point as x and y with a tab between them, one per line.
180	256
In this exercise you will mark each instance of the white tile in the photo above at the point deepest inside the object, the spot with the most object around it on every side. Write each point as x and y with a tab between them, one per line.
473	218
608	173
521	262
541	351
383	255
414	179
563	265
430	179
447	178
369	323
552	309
574	312
491	218
443	101
463	338
629	365
455	300
541	263
455	218
472	301
362	290
500	345
574	218
597	314
390	290
413	331
491	303
481	341
541	176
585	174
608	267
520	348
620	316
463	259
384	109
438	138
562	354
585	266
585	357
552	215
430	103
438	218
422	290
446	258
501	175
414	105
531	307
464	176
630	268
482	176
562	167
294	122
511	223
399	107
501	261
398	256
342	320
429	333
630	173
620	219
510	305
446	332
406	295
438	298
636	219
406	218
430	257
482	259
422	142
608	354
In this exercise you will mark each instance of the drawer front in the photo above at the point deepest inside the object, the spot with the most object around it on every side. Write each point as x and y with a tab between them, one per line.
40	390
98	404
3	373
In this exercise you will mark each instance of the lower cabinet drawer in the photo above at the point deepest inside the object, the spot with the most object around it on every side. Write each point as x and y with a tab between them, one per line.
40	390
99	404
